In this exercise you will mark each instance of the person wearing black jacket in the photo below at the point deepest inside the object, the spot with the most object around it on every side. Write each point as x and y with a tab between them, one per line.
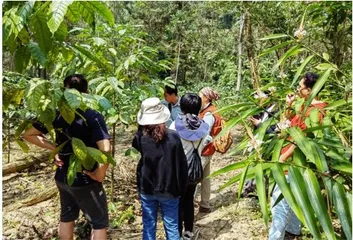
162	171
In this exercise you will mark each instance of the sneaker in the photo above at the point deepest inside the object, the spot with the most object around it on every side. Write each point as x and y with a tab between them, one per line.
188	235
204	210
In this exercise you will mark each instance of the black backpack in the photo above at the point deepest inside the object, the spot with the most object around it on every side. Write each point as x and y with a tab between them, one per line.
195	170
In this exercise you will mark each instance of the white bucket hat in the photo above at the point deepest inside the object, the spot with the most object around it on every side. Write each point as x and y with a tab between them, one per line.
152	112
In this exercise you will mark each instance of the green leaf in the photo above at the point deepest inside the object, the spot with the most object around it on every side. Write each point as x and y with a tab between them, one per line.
103	102
73	12
318	203
326	56
56	151
99	41
90	101
97	155
37	53
21	127
73	97
299	190
91	56
278	175
291	52
325	66
242	180
111	160
317	87
261	191
339	103
41	32
228	168
236	106
61	32
22	145
66	111
79	148
114	83
35	91
343	166
57	13
342	206
301	69
85	12
273	36
74	162
271	49
101	9
277	150
21	58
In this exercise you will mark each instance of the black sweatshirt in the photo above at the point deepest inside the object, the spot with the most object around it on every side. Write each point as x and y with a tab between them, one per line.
162	169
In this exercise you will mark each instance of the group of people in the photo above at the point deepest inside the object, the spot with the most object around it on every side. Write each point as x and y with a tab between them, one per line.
168	136
170	133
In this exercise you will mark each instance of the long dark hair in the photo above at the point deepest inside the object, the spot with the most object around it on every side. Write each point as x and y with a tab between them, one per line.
157	132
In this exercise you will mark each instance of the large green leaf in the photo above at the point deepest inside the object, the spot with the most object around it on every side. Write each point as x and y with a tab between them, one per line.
317	87
278	175
261	191
300	192
318	203
115	84
12	23
289	53
271	49
57	13
97	155
61	32
73	12
300	69
236	106
41	32
66	111
91	56
103	102
110	159
37	53
79	148
85	12
339	103
343	166
57	150
21	58
74	163
342	207
101	9
90	101
73	97
35	91
25	11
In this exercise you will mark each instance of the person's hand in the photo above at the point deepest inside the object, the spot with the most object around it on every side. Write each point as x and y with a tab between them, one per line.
97	174
254	121
58	162
290	99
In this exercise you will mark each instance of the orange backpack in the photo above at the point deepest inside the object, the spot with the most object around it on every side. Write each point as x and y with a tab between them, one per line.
221	144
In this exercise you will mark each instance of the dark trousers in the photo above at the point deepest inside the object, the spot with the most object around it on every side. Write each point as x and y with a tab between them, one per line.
186	210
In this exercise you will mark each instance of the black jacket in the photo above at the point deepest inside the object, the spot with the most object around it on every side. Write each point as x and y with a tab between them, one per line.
162	168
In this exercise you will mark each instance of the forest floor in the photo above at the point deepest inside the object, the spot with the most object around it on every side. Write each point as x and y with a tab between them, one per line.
27	216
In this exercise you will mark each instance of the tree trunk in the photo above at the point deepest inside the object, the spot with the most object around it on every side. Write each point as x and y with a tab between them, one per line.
240	52
251	52
22	164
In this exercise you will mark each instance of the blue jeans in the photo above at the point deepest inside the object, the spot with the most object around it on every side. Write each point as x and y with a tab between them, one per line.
283	218
170	211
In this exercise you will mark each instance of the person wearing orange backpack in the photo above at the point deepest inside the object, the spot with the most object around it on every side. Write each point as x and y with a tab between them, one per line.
213	120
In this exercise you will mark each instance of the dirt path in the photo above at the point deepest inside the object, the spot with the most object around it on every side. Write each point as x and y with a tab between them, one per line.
230	218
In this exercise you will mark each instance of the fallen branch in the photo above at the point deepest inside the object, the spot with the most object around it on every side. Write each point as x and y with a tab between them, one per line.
49	193
23	164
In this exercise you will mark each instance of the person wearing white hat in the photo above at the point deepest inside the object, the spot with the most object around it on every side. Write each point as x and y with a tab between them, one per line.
162	171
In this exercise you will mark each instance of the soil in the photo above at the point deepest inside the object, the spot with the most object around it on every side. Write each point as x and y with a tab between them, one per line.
231	218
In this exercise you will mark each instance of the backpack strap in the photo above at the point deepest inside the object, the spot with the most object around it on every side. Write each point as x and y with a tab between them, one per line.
198	145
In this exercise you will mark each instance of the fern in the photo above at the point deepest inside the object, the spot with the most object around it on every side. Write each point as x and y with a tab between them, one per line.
57	12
